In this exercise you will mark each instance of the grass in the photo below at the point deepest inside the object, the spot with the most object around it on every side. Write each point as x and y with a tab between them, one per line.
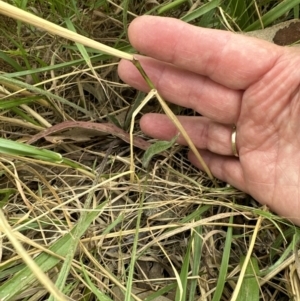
74	226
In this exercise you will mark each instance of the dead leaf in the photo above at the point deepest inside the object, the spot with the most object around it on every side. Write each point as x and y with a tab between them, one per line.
98	128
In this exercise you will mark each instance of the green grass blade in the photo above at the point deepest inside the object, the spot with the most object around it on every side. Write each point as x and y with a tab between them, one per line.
80	47
161	292
274	14
21	149
24	278
134	251
111	226
184	274
197	251
65	269
8	104
155	149
100	295
207	19
21	52
202	10
284	255
138	99
169	6
279	240
56	67
224	264
97	57
296	11
240	13
101	3
195	214
125	15
24	116
5	193
10	61
250	287
47	94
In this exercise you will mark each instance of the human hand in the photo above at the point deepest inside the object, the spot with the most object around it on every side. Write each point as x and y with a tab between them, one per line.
229	79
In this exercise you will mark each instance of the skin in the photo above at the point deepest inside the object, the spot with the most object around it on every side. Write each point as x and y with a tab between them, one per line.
229	79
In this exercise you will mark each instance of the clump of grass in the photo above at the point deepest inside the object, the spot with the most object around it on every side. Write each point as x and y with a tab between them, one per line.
168	235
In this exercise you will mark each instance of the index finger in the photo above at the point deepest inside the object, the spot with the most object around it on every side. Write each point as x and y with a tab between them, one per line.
230	59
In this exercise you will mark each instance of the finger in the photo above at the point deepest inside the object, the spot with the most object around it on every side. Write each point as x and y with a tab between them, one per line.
205	133
186	89
227	169
230	59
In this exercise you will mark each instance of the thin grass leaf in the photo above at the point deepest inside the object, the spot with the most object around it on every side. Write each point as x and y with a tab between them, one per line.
125	5
274	14
8	104
197	252
76	165
161	292
156	148
95	58
224	264
101	3
10	61
207	19
24	116
195	214
111	226
202	10
250	287
172	5
12	287
278	263
21	52
80	47
280	239
69	288
184	274
21	149
134	256
7	270
75	9
273	272
296	12
24	278
5	193
240	12
114	120
5	80
138	99
56	67
247	259
100	295
33	266
65	269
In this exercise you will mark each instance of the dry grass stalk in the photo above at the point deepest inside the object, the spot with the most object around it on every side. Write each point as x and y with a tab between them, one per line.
19	14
